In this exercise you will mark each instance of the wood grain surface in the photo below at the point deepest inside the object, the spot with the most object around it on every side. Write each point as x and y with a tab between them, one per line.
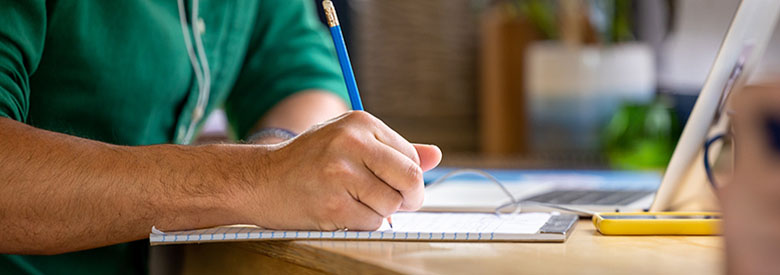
586	252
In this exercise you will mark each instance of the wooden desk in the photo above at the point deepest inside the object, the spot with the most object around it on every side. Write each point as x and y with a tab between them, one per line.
586	252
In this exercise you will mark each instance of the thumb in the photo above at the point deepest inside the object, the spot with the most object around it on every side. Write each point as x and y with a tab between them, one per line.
430	156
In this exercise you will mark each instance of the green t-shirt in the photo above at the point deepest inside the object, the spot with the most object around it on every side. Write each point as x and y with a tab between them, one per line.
120	72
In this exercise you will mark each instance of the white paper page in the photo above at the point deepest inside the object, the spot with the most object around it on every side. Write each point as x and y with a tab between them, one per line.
477	194
405	225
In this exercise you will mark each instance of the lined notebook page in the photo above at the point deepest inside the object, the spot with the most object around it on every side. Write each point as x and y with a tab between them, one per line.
407	226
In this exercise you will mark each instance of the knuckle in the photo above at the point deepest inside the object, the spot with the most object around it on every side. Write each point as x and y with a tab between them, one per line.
414	174
361	117
413	153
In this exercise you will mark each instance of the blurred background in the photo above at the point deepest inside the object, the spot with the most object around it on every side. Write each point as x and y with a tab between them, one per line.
538	83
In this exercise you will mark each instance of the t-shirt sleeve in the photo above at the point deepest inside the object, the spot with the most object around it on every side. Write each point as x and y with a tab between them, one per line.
290	51
22	32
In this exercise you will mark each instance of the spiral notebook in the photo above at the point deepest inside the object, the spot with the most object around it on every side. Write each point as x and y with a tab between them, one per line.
417	226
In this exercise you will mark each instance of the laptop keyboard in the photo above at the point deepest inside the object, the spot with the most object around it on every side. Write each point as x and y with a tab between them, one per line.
590	197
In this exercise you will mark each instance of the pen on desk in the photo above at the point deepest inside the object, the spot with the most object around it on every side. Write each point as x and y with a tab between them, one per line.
346	65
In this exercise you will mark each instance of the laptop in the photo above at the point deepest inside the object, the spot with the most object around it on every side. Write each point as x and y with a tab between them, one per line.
587	192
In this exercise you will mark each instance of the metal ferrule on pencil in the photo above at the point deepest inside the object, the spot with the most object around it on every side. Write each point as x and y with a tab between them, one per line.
330	13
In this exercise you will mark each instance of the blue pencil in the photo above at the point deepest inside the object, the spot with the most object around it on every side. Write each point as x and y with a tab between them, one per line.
341	51
346	65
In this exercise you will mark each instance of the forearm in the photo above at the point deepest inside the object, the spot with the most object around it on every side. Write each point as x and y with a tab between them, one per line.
61	193
302	110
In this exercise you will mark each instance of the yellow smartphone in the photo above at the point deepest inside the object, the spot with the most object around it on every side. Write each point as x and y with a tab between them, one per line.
658	223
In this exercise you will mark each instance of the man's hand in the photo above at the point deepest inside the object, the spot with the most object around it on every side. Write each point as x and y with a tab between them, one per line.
62	193
347	173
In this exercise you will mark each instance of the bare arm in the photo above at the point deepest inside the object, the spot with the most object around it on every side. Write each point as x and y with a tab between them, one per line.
300	111
61	193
